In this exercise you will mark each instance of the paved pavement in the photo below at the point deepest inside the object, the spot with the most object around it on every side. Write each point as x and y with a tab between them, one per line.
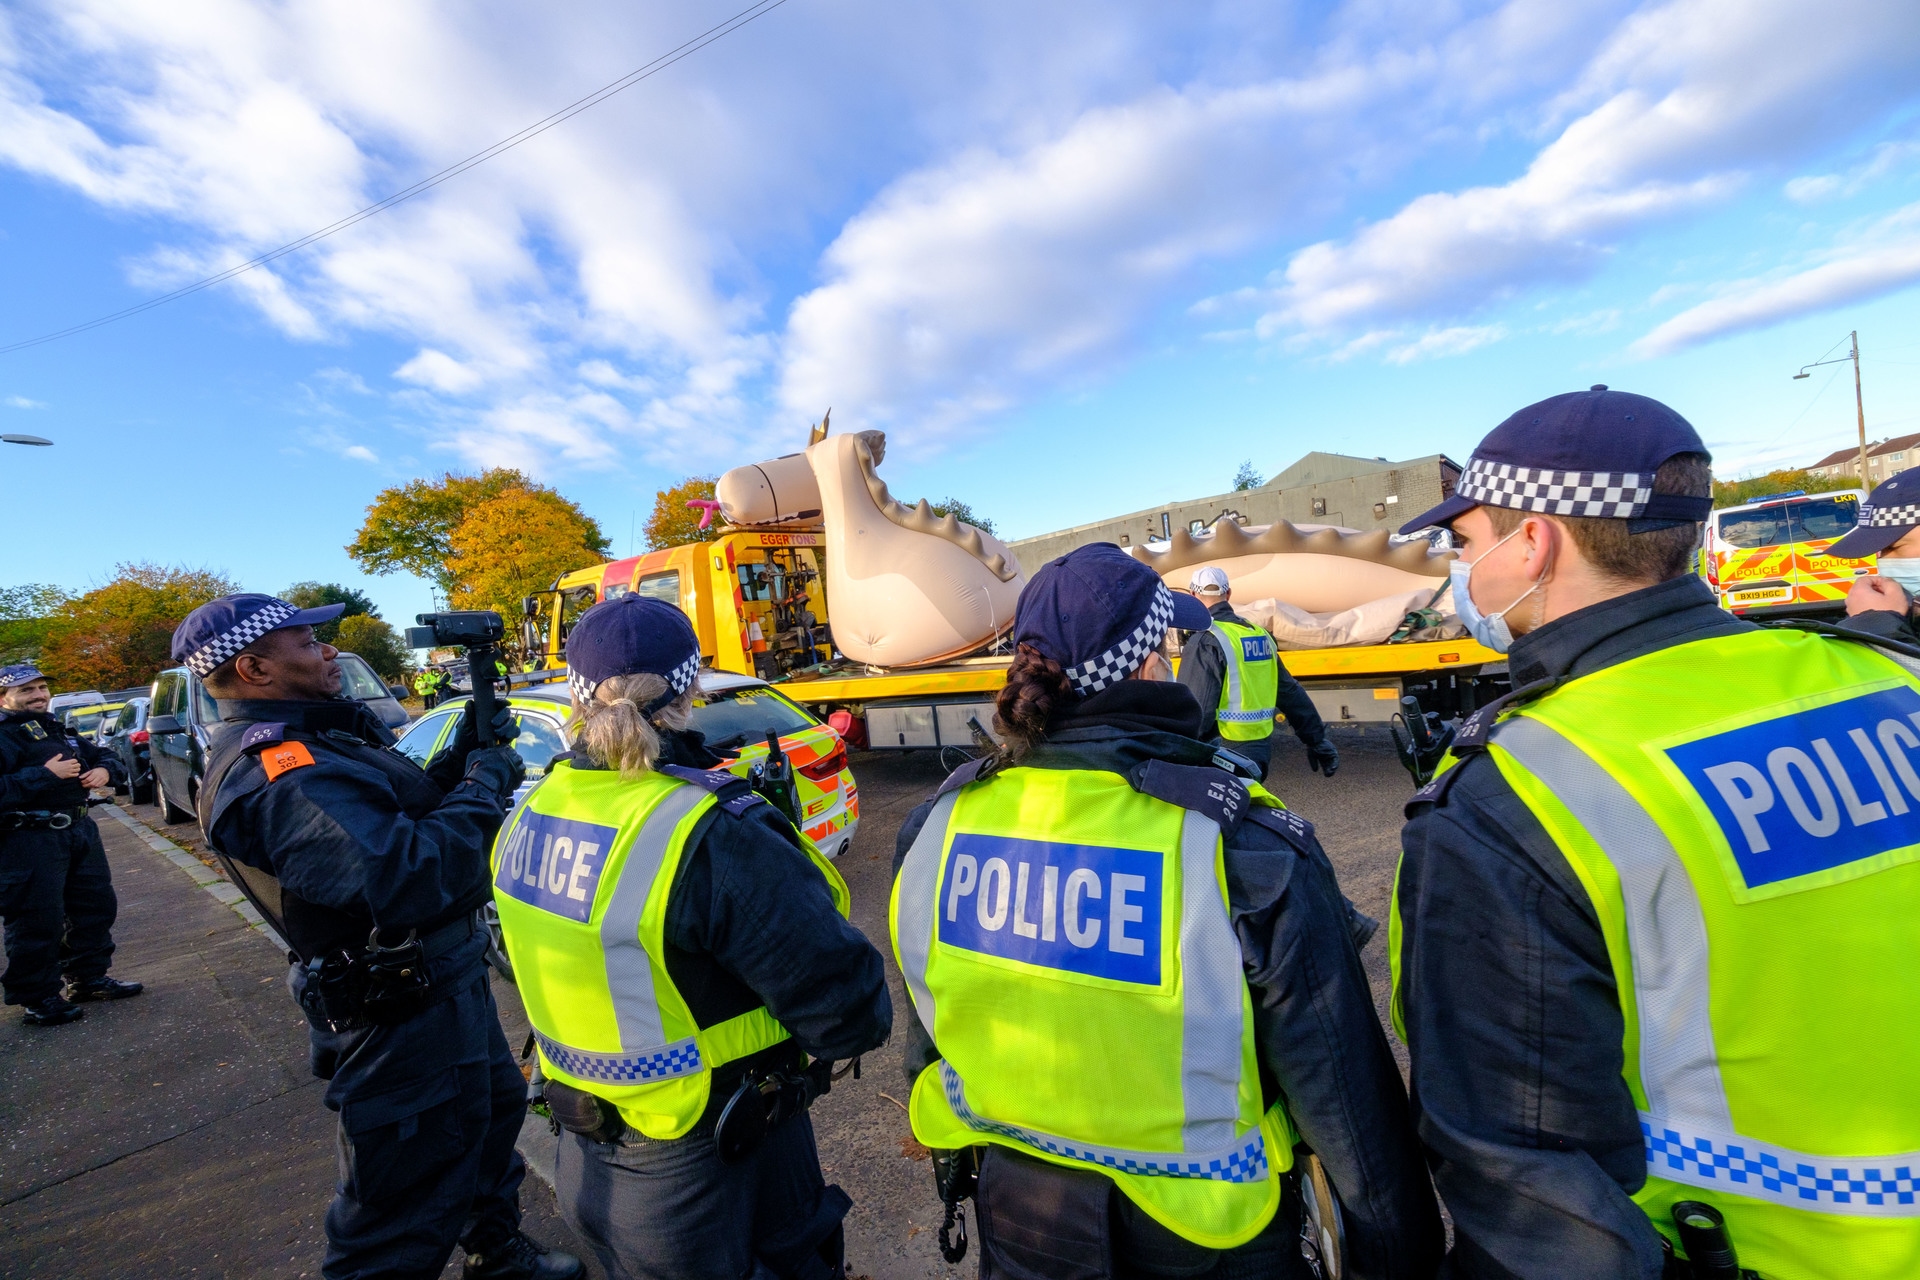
180	1135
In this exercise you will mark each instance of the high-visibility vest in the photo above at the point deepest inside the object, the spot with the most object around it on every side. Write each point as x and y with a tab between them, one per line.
582	871
1066	942
423	683
1744	813
1251	691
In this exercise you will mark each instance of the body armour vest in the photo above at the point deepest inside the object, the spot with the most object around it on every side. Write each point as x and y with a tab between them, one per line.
1250	692
1744	813
1067	943
583	870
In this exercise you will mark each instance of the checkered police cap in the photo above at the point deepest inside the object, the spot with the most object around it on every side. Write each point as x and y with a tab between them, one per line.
632	635
1098	612
20	673
1618	495
219	629
1117	663
1885	517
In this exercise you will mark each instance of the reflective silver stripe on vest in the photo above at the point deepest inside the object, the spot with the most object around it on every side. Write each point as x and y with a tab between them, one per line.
1212	1014
1242	1161
1688	1129
629	972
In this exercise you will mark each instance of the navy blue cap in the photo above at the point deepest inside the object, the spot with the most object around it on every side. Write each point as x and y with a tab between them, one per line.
630	635
221	628
20	673
1098	612
1889	512
1586	453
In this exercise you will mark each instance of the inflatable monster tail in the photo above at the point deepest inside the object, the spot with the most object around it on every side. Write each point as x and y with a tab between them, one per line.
1324	570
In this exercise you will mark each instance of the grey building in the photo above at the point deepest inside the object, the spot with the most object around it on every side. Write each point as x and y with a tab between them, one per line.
1321	488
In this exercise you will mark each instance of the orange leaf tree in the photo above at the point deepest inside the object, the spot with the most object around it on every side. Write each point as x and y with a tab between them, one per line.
515	544
410	527
118	635
673	523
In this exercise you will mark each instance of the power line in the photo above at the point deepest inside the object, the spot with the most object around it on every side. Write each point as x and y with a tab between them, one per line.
594	99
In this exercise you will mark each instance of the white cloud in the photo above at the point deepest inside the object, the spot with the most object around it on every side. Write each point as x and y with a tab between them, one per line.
1454	341
21	402
360	453
1886	261
439	371
1885	159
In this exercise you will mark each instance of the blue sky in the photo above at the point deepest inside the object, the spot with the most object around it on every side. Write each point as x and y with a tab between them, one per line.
1072	266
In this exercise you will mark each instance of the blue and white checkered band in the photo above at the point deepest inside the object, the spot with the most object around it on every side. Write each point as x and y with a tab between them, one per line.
20	673
1119	662
1890	517
1619	495
203	660
680	679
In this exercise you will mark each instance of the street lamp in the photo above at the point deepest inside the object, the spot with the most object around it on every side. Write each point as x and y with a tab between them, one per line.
25	440
1859	405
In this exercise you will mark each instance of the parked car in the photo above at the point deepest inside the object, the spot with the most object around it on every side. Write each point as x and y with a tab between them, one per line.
126	736
734	712
85	720
61	701
182	709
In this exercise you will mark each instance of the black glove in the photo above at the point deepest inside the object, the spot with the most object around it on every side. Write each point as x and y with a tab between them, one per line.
499	769
449	764
1322	758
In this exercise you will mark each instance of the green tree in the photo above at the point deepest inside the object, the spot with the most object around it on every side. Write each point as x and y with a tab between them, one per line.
962	512
120	634
410	528
376	641
516	544
25	612
312	595
1247	478
1731	493
675	524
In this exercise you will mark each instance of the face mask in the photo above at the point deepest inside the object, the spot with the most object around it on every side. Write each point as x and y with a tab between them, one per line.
1905	571
1490	630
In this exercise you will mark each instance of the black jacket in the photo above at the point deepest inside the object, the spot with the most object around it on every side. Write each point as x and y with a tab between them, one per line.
28	739
1890	624
1319	1039
1203	669
1508	999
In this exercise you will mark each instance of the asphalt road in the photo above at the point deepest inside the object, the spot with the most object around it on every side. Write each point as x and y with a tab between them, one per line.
271	1145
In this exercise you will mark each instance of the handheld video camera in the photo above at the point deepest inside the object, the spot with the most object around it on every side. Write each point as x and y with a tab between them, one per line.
479	632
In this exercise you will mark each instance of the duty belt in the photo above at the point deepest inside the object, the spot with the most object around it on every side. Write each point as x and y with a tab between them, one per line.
40	819
382	985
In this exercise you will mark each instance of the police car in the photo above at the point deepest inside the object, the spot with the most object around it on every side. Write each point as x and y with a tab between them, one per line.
734	712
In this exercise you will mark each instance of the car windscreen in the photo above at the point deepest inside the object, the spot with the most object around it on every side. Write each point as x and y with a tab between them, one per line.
418	741
1760	527
84	722
732	718
357	680
1820	519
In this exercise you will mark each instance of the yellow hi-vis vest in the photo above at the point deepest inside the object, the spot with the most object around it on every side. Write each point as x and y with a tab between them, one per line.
1251	691
581	875
1744	813
1066	942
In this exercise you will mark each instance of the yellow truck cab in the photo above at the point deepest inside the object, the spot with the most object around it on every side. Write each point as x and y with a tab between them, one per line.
1768	556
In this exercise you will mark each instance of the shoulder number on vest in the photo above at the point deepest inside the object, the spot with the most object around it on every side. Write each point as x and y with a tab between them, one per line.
283	757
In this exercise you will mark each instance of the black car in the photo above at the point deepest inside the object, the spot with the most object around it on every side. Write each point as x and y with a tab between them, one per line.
182	709
126	737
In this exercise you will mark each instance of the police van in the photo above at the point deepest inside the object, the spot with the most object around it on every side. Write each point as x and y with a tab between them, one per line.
1768	556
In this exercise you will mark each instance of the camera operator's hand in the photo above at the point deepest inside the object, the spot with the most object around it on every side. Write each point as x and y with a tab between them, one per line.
450	764
499	769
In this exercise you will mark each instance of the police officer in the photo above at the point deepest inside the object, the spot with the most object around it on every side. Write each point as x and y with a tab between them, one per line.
56	893
680	953
1649	918
427	685
1138	979
373	870
1239	682
1881	603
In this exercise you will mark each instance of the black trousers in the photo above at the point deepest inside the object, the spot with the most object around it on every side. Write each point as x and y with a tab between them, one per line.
429	1111
58	908
1041	1221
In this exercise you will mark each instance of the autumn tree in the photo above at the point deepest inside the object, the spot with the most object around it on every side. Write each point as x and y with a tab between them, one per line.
25	613
962	512
120	634
376	641
313	595
1731	493
410	528
673	523
513	545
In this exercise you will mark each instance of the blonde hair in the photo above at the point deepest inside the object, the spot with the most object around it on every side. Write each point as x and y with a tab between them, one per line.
612	730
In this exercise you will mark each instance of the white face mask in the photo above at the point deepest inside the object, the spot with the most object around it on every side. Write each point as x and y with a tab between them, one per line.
1490	630
1904	570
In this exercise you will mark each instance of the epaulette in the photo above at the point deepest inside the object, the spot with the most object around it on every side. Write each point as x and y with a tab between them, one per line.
261	735
1213	792
1475	733
1285	823
971	771
732	791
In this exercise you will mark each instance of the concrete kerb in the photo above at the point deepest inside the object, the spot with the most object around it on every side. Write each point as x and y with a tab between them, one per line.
199	872
537	1142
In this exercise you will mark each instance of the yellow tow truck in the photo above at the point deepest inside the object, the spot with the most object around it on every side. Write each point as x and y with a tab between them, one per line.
758	604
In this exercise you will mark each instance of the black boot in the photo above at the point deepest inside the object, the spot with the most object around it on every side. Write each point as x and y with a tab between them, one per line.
102	989
53	1012
518	1258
